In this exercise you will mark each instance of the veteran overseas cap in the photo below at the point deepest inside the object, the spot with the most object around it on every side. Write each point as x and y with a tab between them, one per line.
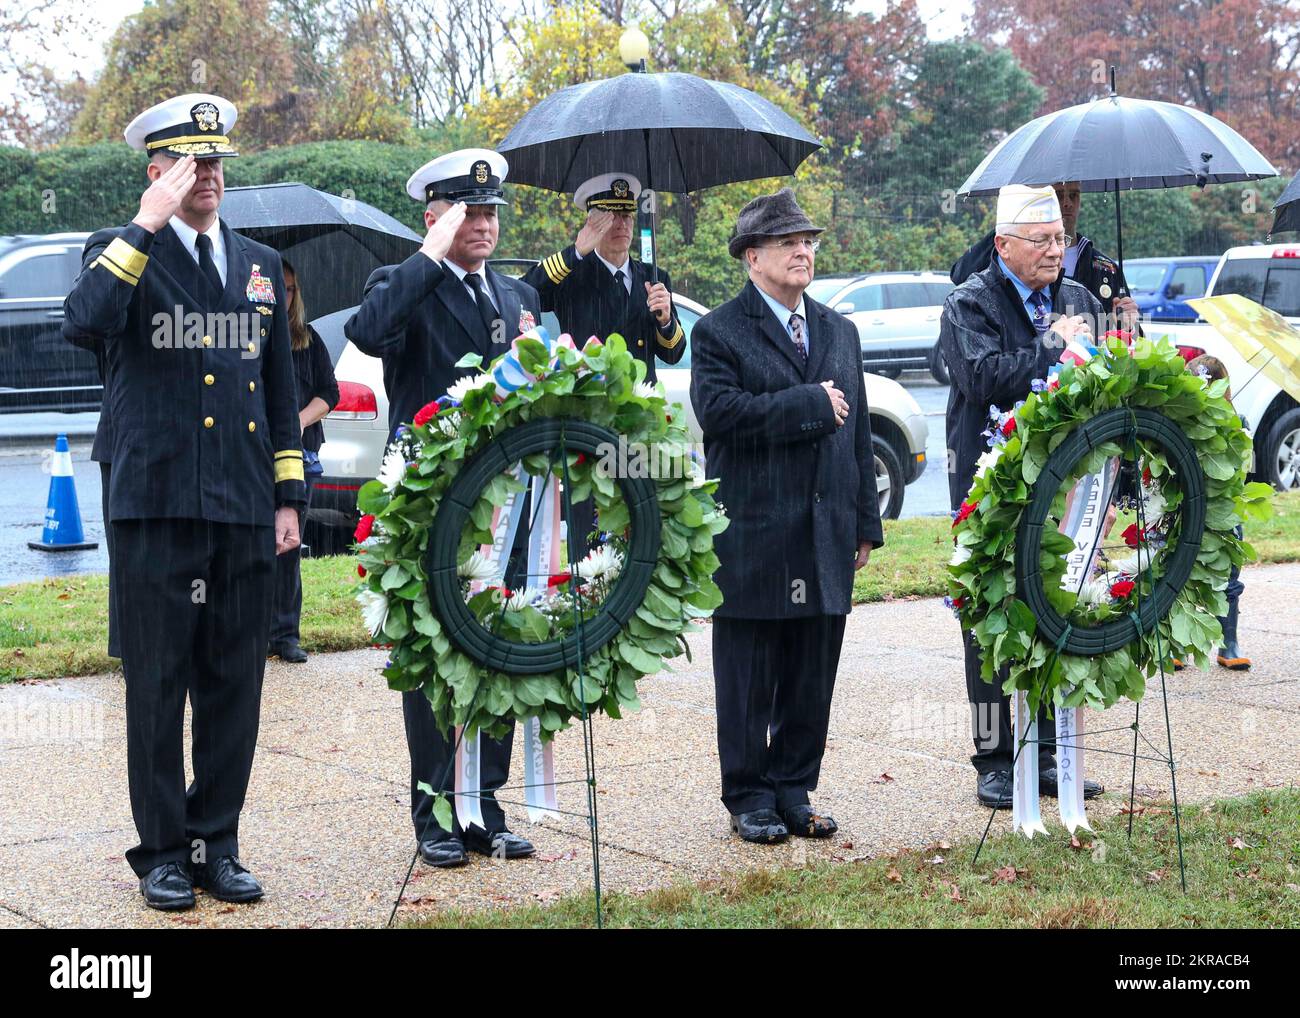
1021	204
188	125
613	192
471	175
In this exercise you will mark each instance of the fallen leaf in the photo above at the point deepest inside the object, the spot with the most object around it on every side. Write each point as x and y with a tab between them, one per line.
846	845
936	861
550	894
884	779
954	892
1075	843
1006	875
63	597
1155	876
562	857
895	877
1237	843
1208	774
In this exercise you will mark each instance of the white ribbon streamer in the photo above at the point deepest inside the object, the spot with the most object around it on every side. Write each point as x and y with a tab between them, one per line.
469	784
539	773
1069	768
1024	779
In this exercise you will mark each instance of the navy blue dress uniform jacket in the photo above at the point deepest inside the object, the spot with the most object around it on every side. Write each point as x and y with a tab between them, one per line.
800	492
204	417
993	353
586	299
420	319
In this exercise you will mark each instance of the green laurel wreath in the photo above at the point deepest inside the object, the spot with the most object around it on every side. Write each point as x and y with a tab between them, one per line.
982	573
602	384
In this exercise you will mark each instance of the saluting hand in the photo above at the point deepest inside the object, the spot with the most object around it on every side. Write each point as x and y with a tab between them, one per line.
437	242
164	196
659	302
597	225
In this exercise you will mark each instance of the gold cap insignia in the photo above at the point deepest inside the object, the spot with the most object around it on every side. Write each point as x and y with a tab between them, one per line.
205	116
481	172
620	188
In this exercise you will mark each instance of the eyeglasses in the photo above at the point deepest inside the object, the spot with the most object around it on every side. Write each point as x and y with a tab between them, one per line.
788	244
1043	243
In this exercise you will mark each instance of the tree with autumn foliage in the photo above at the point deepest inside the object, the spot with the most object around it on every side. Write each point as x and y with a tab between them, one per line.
1238	60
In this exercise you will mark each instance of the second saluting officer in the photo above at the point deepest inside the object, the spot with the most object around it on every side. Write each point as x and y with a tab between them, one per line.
206	480
421	317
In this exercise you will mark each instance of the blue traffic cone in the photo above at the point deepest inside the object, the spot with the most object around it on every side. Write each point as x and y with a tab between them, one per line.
62	515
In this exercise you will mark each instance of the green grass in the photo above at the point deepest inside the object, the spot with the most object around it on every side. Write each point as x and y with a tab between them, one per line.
58	627
1243	870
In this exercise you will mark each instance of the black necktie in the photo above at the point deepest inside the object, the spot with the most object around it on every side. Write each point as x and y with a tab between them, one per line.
485	309
619	277
207	265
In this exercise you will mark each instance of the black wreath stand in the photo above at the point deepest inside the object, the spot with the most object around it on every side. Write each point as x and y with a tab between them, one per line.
1127	423
556	437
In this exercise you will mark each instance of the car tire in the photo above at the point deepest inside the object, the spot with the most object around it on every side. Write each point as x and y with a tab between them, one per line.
884	370
1279	459
939	367
889	470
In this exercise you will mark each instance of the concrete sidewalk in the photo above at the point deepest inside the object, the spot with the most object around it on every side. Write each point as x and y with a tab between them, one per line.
327	829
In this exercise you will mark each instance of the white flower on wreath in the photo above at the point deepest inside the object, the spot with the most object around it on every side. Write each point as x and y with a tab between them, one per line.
393	469
646	390
522	599
1093	592
477	567
374	609
1133	563
989	460
960	555
604	563
1153	506
449	423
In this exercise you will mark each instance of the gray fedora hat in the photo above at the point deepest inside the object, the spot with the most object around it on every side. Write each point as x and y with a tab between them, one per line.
769	215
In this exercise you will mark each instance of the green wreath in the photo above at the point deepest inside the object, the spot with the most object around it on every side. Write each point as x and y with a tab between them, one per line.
1157	595
637	593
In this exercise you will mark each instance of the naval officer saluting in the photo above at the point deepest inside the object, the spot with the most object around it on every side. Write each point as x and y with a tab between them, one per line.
206	480
421	317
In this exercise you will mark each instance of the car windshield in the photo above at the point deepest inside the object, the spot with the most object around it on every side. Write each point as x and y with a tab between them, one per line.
1144	277
822	290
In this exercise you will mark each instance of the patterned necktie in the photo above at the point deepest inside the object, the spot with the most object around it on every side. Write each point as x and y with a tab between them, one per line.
1041	304
485	309
206	265
798	335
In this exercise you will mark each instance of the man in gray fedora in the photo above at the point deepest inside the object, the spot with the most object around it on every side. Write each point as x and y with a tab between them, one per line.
777	385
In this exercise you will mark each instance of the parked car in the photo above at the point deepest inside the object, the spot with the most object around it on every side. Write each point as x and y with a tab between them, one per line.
1268	274
39	369
1163	286
356	431
896	314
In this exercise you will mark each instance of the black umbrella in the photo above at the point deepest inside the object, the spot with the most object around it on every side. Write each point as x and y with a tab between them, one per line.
1120	143
333	243
674	131
1286	210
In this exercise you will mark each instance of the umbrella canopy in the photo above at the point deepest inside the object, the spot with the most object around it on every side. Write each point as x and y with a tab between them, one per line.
1265	340
333	243
1286	210
1118	143
675	132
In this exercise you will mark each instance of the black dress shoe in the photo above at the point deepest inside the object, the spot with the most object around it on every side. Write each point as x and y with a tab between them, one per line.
994	789
806	822
288	651
761	826
226	880
1047	784
444	853
168	888
499	844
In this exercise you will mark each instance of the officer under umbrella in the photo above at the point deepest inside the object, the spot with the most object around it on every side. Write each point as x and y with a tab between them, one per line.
421	317
206	481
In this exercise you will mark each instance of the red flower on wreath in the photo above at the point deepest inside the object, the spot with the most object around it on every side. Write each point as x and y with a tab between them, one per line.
1123	334
361	570
364	526
1009	426
425	414
558	579
966	509
959	602
1121	588
1146	475
1133	536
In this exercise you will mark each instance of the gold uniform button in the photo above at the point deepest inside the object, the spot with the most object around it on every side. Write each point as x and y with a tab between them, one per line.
640	342
208	422
207	340
263	332
208	379
252	386
252	348
252	426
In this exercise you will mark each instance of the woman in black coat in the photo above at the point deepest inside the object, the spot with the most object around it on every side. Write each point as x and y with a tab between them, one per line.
318	393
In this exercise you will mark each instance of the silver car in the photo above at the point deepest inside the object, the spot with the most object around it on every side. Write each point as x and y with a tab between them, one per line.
896	314
357	429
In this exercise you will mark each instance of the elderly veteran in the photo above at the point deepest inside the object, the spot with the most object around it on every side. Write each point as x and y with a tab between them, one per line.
778	388
1001	329
204	491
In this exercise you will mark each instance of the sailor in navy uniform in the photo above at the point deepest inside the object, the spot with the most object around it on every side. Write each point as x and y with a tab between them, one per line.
206	480
421	317
595	288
